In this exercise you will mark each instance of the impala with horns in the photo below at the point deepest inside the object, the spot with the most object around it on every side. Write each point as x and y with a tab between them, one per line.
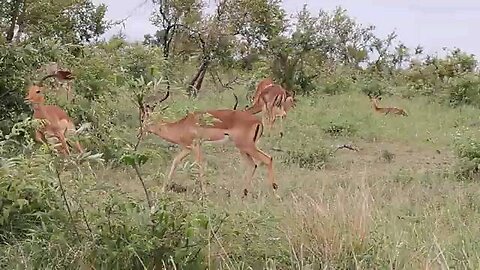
241	127
58	123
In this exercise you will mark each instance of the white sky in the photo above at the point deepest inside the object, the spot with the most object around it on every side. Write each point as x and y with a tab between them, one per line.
431	23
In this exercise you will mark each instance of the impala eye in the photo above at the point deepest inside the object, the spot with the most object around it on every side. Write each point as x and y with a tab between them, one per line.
38	91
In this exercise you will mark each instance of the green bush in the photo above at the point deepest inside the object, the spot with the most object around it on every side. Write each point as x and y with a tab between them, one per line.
465	90
312	158
340	129
337	85
468	151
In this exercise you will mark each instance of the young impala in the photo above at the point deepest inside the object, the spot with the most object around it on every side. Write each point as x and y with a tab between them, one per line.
58	123
386	110
241	127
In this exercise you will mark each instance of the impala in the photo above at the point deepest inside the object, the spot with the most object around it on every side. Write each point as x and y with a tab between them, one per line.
58	123
261	85
273	100
386	110
241	127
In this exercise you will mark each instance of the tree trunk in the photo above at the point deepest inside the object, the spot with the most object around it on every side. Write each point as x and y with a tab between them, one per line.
167	39
21	22
13	20
198	86
196	82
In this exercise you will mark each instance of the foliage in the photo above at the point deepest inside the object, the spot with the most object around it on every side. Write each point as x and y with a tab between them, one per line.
72	21
468	150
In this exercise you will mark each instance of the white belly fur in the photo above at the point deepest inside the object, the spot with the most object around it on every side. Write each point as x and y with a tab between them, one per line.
225	139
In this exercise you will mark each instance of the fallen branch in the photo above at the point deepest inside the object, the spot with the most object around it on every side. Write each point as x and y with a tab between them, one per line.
346	146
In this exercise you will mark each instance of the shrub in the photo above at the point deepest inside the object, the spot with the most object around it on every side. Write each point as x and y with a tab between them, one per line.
337	85
465	90
312	158
468	151
340	129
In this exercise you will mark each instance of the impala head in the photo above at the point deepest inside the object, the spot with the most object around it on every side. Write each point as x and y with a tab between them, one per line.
375	98
146	111
290	101
35	94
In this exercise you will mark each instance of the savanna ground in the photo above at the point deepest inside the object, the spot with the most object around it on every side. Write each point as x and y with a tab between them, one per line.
395	203
409	198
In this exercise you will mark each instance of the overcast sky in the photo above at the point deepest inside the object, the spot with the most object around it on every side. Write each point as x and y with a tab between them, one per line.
432	23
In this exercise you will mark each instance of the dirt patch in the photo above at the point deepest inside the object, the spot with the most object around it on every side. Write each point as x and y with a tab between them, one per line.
385	157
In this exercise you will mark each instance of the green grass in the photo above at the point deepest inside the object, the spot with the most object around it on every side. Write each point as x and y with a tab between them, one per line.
345	210
360	210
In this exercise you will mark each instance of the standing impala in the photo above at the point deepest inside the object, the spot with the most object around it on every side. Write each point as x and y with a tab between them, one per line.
58	123
261	85
273	100
241	127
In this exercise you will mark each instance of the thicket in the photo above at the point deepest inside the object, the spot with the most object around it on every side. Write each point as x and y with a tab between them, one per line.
52	213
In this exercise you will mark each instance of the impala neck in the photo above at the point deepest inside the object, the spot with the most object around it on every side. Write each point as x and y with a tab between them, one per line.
38	107
156	128
375	105
254	109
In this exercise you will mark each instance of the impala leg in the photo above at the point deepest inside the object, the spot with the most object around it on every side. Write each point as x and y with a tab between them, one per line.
199	160
266	115
61	137
264	119
178	158
271	117
281	126
79	147
268	161
248	176
39	137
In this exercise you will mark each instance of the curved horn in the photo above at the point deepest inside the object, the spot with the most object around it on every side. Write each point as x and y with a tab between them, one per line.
236	102
164	98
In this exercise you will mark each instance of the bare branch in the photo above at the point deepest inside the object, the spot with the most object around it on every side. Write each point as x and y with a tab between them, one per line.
346	146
